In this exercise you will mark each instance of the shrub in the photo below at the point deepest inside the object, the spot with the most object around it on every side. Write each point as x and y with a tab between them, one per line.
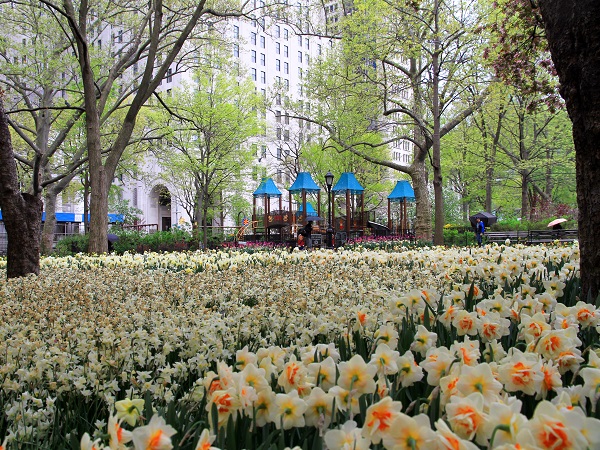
77	243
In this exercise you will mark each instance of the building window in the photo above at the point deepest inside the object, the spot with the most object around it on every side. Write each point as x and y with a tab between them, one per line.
263	151
277	31
253	38
285	34
278	99
278	65
169	75
299	57
263	60
319	49
307	43
278	152
286	52
286	68
253	56
236	50
300	72
262	42
286	135
263	77
236	31
253	71
278	133
277	48
306	58
300	41
278	116
286	84
287	119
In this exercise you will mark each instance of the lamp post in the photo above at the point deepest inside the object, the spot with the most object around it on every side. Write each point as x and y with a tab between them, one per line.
329	232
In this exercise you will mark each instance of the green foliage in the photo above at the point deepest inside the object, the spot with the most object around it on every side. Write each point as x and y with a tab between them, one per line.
459	237
76	243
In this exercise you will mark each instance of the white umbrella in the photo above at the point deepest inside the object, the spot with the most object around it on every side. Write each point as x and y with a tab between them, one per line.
556	222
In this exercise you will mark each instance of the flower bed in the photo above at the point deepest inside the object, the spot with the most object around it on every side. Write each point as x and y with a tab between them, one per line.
423	349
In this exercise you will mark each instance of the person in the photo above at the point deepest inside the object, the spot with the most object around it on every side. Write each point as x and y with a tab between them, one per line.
307	233
301	242
479	231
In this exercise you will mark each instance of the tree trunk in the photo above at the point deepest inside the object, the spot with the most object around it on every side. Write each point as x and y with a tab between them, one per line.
21	212
86	203
423	205
436	160
525	206
573	32
50	222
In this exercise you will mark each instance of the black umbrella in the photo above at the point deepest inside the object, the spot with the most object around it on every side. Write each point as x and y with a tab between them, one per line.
313	218
487	218
112	238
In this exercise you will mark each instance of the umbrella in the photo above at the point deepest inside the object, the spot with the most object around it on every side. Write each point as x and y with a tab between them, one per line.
487	218
313	218
112	237
556	222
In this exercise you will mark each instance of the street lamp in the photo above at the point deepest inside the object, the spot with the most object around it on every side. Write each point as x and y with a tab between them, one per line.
329	232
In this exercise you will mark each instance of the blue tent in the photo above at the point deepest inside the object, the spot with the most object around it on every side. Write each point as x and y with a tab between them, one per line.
348	182
267	187
304	182
403	190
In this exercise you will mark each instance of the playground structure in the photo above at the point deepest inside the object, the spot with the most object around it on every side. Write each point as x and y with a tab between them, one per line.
352	196
281	225
402	194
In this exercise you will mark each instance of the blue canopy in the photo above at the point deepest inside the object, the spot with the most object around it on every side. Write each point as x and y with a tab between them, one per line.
304	182
74	217
348	182
310	210
403	190
267	187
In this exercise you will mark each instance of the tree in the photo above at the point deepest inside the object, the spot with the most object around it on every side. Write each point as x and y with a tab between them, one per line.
153	35
38	72
212	123
419	58
21	211
573	33
507	151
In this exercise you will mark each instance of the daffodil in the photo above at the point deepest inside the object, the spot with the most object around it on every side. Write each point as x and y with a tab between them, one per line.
410	433
154	436
479	379
379	418
356	375
466	416
319	411
129	410
205	441
289	411
347	437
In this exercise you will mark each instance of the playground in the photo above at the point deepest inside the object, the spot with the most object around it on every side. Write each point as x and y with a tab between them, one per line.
344	217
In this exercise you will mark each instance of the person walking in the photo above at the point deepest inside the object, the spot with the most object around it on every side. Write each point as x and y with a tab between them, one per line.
307	233
479	231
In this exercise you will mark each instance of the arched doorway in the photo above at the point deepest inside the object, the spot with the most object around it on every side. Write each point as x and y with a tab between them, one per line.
161	200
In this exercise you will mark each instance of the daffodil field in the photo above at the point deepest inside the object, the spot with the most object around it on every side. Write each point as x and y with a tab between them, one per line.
403	348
